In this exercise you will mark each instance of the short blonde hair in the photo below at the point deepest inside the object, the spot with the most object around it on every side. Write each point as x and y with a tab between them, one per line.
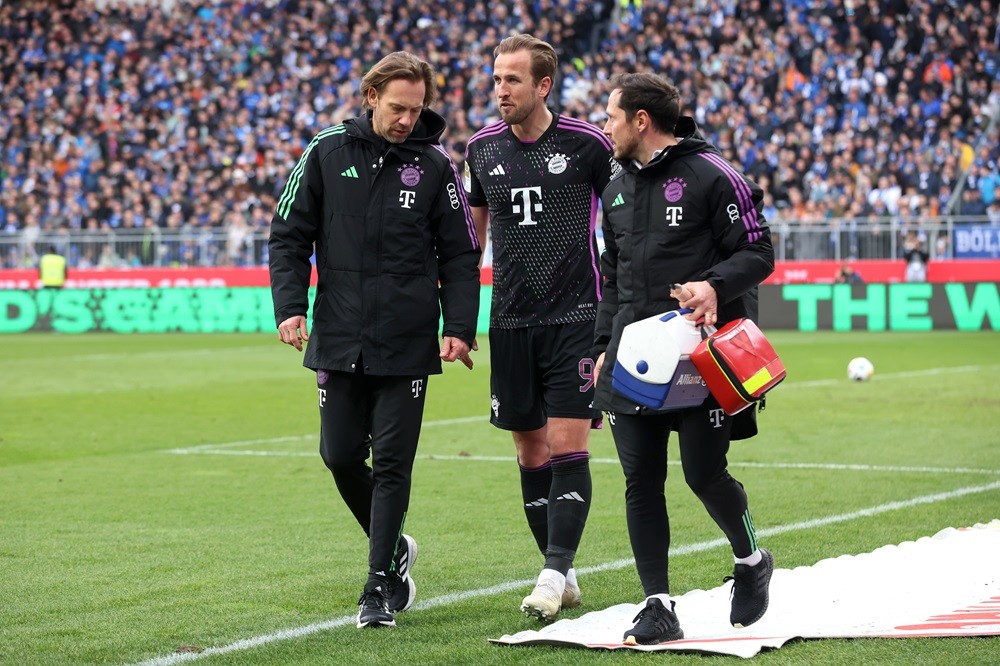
399	65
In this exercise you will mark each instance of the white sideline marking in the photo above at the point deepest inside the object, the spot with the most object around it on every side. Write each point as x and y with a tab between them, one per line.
906	374
210	449
828	466
448	599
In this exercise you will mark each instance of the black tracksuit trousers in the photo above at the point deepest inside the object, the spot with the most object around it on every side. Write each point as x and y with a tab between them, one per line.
703	435
381	415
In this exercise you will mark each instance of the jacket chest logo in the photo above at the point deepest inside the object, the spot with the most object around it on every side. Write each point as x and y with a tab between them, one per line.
674	216
410	174
673	191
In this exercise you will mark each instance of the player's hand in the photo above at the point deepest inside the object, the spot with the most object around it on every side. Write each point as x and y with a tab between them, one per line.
453	348
598	364
293	331
468	359
700	297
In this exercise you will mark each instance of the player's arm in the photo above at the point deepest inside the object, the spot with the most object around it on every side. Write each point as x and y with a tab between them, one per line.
734	206
605	165
458	256
608	306
477	200
481	217
295	227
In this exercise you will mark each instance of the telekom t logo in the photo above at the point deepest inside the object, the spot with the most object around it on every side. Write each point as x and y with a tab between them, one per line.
716	417
529	204
407	197
674	215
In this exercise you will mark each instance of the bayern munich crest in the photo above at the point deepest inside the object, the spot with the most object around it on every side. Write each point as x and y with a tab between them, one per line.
673	189
557	163
410	174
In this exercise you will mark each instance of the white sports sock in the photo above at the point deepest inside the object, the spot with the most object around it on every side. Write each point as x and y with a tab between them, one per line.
664	599
571	577
554	577
753	559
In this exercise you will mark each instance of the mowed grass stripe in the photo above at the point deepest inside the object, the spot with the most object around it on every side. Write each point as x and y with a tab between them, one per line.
847	467
457	597
114	552
210	448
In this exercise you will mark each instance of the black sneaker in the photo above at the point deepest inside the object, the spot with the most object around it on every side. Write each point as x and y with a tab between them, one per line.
654	624
750	590
402	589
401	593
372	609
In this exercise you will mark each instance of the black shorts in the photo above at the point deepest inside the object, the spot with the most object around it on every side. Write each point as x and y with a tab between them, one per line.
541	372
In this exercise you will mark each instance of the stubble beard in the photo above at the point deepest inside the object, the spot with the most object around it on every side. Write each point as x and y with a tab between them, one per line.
517	114
624	152
385	131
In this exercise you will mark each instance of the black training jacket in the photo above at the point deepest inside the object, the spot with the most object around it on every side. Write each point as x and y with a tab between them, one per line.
395	246
686	216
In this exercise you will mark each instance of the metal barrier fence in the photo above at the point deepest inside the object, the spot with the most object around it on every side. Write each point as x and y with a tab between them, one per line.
794	240
867	238
140	247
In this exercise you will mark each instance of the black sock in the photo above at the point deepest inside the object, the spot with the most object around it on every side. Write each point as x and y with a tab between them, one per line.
535	485
569	504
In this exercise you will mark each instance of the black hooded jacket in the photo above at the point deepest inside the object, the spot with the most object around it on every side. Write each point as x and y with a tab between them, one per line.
686	216
395	246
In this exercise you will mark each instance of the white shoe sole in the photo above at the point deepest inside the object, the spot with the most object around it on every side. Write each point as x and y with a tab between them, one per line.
376	623
537	608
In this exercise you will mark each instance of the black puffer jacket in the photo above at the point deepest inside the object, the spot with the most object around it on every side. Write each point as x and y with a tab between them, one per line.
688	215
395	245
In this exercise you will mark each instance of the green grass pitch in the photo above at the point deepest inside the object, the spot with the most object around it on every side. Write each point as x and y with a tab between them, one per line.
164	492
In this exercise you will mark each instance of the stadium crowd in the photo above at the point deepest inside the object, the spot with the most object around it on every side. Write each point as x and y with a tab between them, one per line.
189	117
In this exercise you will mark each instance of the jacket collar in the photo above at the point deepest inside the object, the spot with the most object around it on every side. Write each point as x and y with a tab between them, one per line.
689	140
427	131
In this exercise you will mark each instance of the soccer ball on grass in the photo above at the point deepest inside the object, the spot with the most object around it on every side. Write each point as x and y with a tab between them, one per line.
860	369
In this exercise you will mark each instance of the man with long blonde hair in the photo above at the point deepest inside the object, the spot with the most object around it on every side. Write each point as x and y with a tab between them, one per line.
382	204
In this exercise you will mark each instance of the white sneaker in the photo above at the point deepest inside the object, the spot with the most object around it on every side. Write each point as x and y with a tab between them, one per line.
545	600
571	593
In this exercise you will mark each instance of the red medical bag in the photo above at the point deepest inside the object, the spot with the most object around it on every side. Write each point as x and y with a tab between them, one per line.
738	364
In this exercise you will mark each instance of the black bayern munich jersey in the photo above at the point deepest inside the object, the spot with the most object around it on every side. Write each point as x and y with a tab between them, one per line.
542	198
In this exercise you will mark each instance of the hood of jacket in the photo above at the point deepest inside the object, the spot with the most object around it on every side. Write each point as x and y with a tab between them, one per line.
690	140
